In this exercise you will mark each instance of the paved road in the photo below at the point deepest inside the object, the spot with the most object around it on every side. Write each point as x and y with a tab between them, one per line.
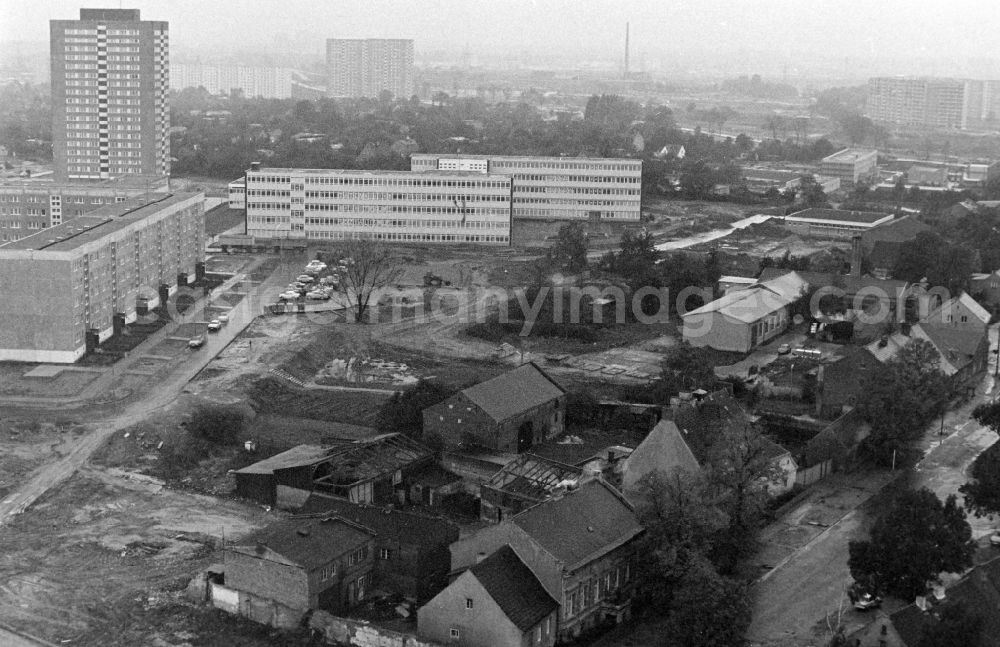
165	392
792	600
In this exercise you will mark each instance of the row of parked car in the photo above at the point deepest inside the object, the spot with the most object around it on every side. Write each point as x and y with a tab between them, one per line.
310	285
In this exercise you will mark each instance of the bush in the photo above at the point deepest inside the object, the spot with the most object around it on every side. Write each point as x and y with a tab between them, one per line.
219	424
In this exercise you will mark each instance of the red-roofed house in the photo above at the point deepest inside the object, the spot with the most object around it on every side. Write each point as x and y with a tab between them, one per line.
509	413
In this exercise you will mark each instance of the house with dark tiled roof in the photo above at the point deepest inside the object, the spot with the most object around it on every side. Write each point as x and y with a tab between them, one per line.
964	352
579	545
978	592
509	413
986	287
692	439
840	381
497	602
314	563
411	549
884	244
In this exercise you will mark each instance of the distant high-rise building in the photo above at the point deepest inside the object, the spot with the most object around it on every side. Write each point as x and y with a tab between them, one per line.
982	103
918	102
364	67
252	81
110	103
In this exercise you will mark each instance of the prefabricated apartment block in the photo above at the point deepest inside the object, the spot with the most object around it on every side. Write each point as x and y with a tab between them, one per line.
64	286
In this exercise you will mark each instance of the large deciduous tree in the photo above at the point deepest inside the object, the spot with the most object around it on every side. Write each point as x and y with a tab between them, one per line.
901	396
570	251
371	266
918	538
982	493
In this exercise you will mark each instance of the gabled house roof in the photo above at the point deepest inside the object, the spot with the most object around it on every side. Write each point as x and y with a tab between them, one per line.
514	587
309	543
702	423
389	524
978	592
757	301
514	392
663	450
956	346
582	524
963	300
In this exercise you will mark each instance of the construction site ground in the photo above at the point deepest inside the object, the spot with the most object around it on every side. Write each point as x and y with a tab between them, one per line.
104	561
103	557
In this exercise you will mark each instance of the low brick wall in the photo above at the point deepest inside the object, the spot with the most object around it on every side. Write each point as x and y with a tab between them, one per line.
343	631
336	631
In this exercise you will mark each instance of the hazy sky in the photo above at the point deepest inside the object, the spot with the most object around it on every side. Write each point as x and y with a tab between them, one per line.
594	28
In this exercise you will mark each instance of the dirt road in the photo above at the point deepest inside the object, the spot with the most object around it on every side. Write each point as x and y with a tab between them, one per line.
167	390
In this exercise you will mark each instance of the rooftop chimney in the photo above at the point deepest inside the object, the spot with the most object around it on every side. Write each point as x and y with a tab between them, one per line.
254	166
856	256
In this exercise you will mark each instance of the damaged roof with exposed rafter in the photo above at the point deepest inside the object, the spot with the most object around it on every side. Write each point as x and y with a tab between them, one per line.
367	460
533	477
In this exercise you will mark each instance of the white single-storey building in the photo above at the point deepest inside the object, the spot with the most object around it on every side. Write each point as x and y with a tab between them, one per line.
744	319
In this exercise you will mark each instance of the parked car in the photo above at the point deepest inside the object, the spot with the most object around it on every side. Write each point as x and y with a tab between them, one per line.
316	264
214	325
288	296
197	342
995	538
863	598
224	318
330	280
318	295
784	349
304	278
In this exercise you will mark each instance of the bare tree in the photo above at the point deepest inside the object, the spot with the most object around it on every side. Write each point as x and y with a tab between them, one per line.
371	266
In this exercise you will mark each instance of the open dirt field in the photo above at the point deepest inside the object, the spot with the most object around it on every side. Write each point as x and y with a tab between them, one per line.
144	541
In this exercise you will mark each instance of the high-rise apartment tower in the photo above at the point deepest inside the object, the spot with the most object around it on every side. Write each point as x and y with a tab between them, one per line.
110	102
364	67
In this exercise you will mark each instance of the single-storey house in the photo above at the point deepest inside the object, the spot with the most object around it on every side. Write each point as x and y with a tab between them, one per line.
742	320
376	470
833	223
509	413
496	603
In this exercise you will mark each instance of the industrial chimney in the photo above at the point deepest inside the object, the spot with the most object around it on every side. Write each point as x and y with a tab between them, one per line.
626	50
